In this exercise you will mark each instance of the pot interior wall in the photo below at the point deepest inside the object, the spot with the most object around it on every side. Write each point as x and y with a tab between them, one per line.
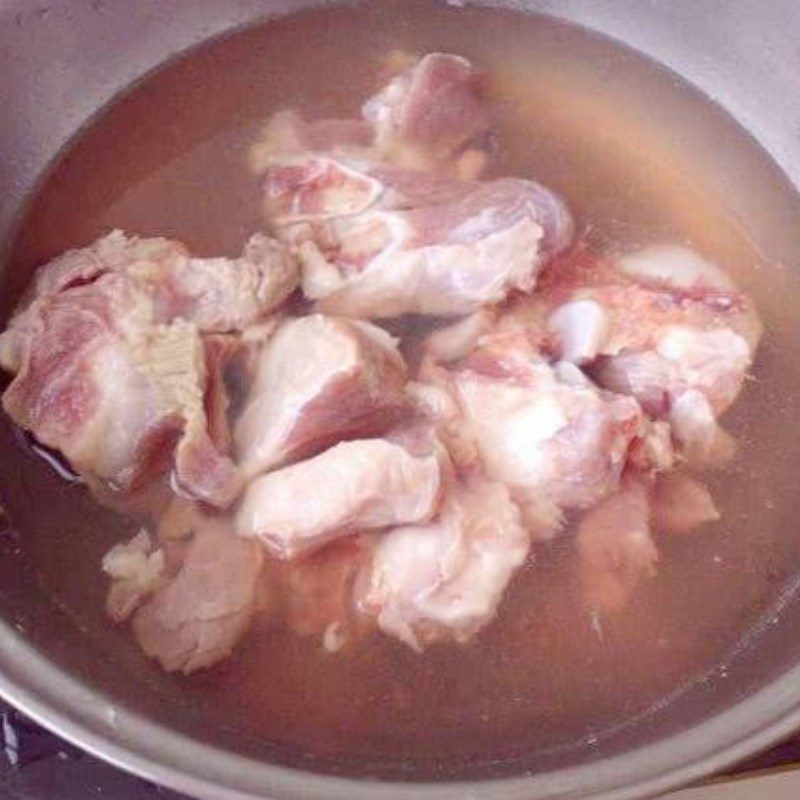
640	155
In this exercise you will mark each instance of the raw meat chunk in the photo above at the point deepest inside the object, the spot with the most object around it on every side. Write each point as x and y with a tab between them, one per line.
216	294
319	380
402	226
615	547
382	243
444	580
116	393
354	486
197	618
433	115
556	441
662	325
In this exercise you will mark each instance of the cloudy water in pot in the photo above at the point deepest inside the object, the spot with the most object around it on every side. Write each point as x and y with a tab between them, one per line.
630	149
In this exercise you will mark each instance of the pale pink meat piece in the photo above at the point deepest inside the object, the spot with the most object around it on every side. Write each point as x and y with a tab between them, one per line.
401	226
319	380
378	241
443	581
615	548
216	294
225	294
353	487
198	617
444	258
546	432
433	115
661	324
664	301
680	504
120	396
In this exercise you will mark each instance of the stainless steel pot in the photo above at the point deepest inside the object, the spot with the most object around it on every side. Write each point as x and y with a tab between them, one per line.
60	62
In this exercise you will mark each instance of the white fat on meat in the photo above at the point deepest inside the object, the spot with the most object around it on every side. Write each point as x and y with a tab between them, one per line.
674	266
656	324
135	568
195	619
580	327
118	394
355	486
556	441
319	379
443	581
616	549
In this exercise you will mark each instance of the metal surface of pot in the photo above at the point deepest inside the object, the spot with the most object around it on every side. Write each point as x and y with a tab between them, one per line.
61	61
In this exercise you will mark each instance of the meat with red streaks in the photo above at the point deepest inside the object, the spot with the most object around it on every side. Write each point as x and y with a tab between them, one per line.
319	380
119	395
378	242
434	114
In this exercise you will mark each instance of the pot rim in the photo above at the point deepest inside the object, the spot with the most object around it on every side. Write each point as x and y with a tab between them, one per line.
95	723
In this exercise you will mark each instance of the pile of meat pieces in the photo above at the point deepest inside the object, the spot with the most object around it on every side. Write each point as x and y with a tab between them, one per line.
559	390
